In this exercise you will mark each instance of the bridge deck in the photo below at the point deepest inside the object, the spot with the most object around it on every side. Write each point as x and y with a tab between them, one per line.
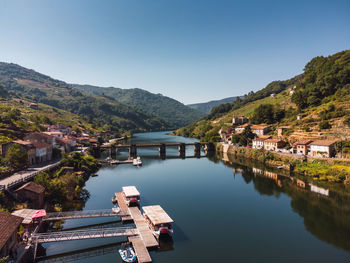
83	214
83	234
154	145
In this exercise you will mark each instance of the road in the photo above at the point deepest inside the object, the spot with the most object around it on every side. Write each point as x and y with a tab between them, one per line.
25	175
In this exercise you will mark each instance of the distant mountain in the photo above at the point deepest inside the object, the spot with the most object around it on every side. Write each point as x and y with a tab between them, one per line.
101	111
173	111
206	107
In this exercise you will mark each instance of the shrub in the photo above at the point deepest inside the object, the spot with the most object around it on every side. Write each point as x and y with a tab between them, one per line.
325	125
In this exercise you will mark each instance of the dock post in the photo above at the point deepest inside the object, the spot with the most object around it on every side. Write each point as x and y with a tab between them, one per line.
132	150
182	150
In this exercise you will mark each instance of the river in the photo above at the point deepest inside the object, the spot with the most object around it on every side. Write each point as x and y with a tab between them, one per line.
224	211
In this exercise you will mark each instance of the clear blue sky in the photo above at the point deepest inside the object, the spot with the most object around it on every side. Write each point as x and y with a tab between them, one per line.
190	50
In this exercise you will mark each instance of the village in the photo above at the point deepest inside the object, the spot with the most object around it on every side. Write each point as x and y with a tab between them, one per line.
271	138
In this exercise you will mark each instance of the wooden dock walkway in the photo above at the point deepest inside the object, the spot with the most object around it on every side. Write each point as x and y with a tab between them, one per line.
145	239
140	250
145	233
123	207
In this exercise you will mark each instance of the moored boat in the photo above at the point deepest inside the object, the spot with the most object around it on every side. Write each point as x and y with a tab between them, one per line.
137	161
131	195
127	253
159	222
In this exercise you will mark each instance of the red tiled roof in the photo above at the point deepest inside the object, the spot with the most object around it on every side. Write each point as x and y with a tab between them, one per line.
8	224
258	127
323	143
303	142
273	140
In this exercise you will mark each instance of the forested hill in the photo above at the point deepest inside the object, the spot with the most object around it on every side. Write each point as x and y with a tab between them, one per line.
173	111
320	97
206	107
101	111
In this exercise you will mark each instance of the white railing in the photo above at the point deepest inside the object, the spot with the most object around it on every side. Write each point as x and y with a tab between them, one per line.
83	234
83	214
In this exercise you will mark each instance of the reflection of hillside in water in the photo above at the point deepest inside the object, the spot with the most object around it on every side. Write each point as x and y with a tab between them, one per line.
326	211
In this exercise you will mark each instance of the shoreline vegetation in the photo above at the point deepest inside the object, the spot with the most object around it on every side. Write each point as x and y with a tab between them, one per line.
319	170
64	187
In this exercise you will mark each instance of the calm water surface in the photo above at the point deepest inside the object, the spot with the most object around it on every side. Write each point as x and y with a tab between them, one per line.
223	212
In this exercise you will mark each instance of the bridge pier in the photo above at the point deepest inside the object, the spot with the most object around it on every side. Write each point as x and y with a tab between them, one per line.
197	149
182	150
112	152
209	147
162	151
132	150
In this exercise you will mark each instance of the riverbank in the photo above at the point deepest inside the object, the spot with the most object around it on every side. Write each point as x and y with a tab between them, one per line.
326	169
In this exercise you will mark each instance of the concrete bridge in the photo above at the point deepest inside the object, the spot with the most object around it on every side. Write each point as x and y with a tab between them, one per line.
132	148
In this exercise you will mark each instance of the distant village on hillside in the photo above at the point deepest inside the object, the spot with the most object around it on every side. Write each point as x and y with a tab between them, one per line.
269	140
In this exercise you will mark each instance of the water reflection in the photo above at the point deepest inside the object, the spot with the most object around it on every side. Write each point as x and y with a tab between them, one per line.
325	209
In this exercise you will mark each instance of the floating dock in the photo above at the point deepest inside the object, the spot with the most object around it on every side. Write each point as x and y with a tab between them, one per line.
145	239
123	207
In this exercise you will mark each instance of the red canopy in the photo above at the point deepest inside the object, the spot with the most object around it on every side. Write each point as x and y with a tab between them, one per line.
39	213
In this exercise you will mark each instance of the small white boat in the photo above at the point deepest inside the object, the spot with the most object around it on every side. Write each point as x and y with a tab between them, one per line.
137	161
116	209
127	253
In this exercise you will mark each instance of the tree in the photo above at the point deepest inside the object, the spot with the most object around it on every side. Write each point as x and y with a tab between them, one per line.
16	157
325	125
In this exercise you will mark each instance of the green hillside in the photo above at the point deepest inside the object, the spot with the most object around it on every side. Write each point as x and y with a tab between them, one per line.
320	96
17	118
206	107
173	111
100	111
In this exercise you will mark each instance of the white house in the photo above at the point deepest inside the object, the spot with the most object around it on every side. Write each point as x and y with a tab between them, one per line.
258	143
322	149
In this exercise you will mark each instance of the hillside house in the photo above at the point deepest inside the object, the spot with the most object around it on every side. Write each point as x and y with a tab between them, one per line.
60	128
43	152
9	226
322	149
258	143
281	129
56	134
40	137
32	192
241	128
302	147
30	149
272	95
260	129
33	106
239	120
273	144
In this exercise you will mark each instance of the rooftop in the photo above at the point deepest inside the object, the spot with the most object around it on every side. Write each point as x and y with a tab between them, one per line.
273	140
157	215
8	224
25	214
32	187
303	142
130	191
259	126
323	143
